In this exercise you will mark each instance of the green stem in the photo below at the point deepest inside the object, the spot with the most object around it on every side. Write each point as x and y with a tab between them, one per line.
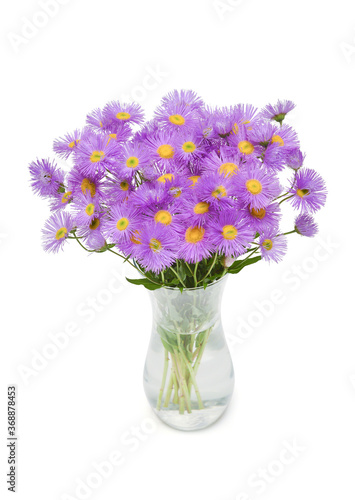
169	391
163	382
183	384
290	232
195	274
210	268
178	277
288	197
193	379
181	393
203	345
77	239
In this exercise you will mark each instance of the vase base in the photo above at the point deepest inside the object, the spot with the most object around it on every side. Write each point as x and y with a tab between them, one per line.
194	421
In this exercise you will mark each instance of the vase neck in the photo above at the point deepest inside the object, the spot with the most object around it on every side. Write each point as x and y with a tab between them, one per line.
190	311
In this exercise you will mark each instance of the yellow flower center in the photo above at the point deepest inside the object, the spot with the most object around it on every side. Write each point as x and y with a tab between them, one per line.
279	140
235	129
194	234
123	116
155	245
94	224
246	147
194	179
165	151
90	209
124	186
189	147
175	191
135	238
258	214
229	232
267	244
111	136
201	208
164	217
177	119
219	192
132	162
87	185
72	144
122	224
61	233
66	197
165	177
302	192
254	186
97	156
228	169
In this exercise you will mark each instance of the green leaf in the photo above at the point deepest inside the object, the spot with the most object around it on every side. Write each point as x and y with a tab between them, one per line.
240	264
145	282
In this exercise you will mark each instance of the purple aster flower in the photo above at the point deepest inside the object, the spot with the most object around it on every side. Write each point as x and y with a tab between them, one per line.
94	154
175	185
96	121
64	146
263	219
195	211
118	187
295	159
46	178
216	189
175	117
92	232
157	249
132	157
122	222
243	114
230	233
148	129
273	159
85	209
123	113
187	98
256	187
56	231
305	225
273	247
166	216
222	121
60	201
308	190
161	147
149	195
286	138
195	244
226	163
278	111
244	144
95	240
81	184
189	147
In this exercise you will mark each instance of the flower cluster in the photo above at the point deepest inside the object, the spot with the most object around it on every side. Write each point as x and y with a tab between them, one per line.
193	186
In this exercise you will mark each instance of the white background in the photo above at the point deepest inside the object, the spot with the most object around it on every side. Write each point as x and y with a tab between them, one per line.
295	371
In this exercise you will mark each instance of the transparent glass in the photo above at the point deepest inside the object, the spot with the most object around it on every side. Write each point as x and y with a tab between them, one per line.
188	374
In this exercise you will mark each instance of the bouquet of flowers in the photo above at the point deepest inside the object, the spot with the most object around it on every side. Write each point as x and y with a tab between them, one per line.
186	197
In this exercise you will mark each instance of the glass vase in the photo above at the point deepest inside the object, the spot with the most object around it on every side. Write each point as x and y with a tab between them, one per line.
188	374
